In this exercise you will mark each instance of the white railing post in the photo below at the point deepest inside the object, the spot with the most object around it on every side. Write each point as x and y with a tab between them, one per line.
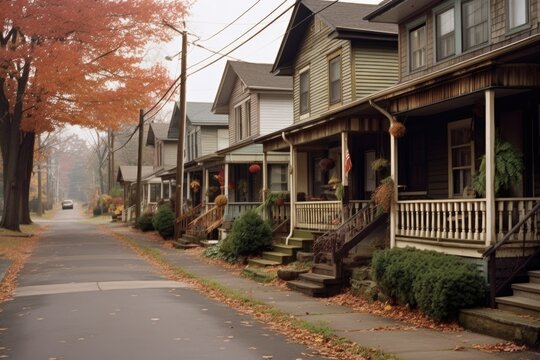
394	175
490	166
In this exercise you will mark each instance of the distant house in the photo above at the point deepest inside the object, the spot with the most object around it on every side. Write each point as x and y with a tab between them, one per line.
127	178
257	103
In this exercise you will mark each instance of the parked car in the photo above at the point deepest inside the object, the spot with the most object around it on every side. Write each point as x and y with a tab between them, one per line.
67	204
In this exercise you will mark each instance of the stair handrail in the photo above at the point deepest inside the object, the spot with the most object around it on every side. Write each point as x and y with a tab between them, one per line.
183	220
491	253
335	241
210	219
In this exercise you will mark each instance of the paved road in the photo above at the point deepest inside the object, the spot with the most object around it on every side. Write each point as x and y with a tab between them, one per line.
84	296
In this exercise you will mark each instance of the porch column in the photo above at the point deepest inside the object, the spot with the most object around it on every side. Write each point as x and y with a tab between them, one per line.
161	189
170	189
205	186
188	186
226	183
265	182
490	166
394	175
292	185
344	148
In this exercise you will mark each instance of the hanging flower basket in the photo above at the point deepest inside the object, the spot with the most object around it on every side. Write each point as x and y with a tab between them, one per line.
326	164
220	177
397	129
220	200
195	185
254	168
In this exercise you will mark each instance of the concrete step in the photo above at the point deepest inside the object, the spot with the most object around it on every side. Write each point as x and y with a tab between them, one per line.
304	256
184	244
306	234
286	249
308	288
278	256
527	290
519	305
534	276
320	279
302	244
323	269
261	263
502	324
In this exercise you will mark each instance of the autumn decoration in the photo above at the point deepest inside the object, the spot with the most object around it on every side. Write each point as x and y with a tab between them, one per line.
221	200
326	164
383	195
220	177
254	168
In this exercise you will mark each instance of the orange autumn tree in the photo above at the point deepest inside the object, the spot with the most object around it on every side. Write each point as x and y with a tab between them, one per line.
72	62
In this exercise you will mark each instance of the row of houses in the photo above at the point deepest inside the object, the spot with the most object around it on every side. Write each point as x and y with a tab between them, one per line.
456	79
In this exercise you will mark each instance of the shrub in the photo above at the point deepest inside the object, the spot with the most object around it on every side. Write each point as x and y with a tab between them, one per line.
438	284
250	235
163	221
216	252
97	210
145	222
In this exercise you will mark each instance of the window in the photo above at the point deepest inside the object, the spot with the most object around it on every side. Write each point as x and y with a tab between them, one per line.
474	27
518	13
278	177
334	69
155	192
460	157
242	117
417	43
304	92
446	39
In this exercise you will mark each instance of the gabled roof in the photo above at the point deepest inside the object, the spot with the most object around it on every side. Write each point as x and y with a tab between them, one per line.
157	131
197	113
128	173
254	76
344	19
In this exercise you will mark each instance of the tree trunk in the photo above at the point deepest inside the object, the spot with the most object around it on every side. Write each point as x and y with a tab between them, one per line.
27	154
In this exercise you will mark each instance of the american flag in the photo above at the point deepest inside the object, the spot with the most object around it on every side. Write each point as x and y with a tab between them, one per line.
347	165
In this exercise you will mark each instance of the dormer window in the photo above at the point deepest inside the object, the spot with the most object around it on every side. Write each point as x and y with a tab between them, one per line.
417	44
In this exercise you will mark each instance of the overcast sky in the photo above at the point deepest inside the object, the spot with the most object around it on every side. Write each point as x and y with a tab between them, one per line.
210	16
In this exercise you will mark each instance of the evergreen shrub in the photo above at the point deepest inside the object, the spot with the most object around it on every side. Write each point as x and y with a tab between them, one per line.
145	222
436	283
250	235
163	221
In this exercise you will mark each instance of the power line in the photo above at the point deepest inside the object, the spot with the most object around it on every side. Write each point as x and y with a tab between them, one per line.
232	22
247	31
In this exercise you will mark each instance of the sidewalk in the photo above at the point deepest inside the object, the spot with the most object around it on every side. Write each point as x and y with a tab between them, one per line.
391	336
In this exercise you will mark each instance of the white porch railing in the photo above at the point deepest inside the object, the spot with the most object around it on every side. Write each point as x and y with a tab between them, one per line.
442	219
325	215
462	220
510	211
235	209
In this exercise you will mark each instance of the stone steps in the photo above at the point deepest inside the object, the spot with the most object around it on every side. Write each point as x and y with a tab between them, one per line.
282	253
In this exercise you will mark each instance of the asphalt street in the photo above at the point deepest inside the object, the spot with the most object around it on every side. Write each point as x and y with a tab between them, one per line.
82	295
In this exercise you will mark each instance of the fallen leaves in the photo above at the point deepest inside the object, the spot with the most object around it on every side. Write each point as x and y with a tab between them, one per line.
500	347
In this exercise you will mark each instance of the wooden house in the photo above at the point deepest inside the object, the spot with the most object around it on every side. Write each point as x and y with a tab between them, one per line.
334	58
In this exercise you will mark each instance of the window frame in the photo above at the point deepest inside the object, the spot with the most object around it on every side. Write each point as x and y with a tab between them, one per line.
335	57
242	120
464	123
304	71
278	170
461	24
413	26
457	30
520	27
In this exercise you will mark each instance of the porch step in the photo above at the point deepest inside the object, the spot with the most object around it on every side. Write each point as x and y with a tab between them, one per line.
312	289
286	249
319	278
323	269
534	276
262	263
502	324
519	305
183	244
278	256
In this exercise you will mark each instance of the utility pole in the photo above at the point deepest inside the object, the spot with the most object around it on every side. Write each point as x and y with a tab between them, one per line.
179	193
39	194
139	167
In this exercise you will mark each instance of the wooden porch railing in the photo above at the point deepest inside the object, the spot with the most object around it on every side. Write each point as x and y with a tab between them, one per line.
446	219
206	223
325	215
522	245
235	209
511	211
183	221
334	245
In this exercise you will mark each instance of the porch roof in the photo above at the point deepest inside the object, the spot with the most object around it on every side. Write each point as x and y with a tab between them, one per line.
395	11
128	173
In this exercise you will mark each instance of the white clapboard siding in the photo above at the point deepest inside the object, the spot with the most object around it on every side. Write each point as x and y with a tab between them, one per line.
276	112
169	153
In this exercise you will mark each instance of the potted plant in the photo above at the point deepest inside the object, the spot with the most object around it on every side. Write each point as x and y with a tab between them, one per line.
508	169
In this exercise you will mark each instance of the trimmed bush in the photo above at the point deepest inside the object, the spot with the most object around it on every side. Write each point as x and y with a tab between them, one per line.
216	252
438	284
145	222
163	221
250	235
